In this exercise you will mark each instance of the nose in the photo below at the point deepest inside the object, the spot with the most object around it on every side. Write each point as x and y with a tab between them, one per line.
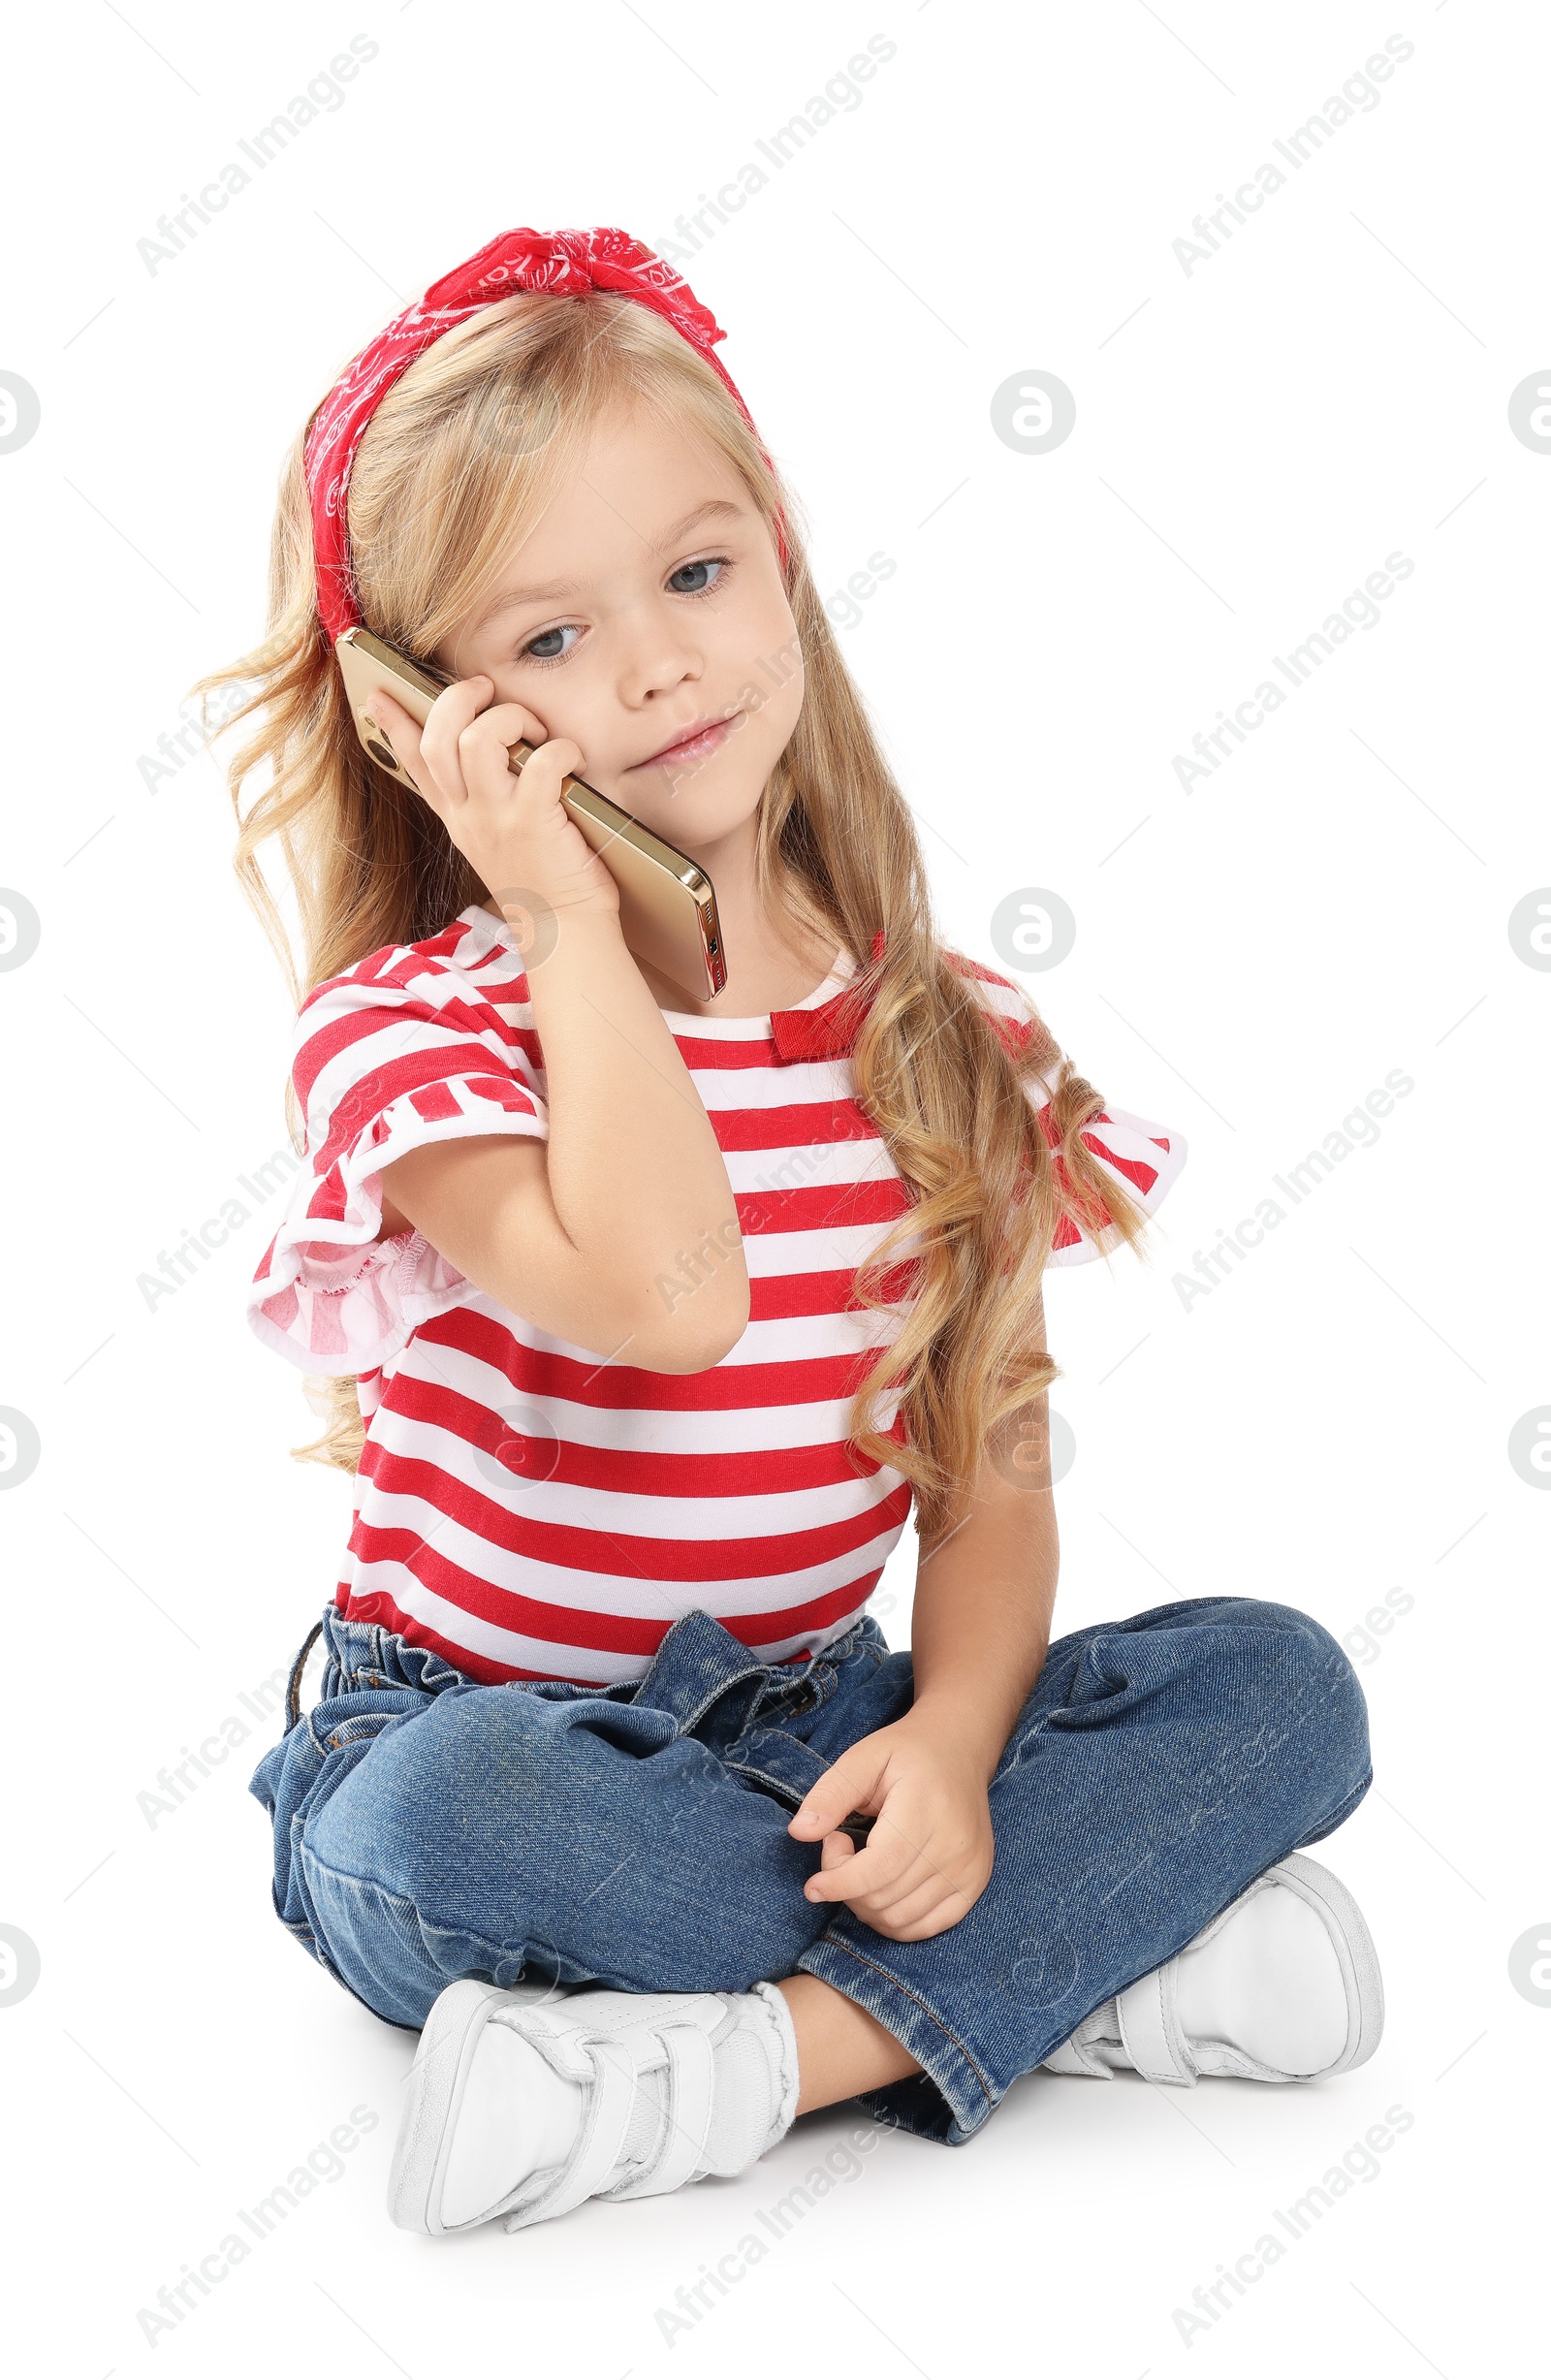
661	653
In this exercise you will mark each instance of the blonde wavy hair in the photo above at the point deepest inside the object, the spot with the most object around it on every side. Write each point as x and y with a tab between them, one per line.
458	460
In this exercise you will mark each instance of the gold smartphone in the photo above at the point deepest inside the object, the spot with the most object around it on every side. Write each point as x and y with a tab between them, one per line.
667	906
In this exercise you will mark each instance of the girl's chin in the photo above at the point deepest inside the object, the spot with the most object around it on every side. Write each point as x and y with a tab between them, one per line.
692	815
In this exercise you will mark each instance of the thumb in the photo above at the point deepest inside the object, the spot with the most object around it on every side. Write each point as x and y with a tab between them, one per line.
845	1785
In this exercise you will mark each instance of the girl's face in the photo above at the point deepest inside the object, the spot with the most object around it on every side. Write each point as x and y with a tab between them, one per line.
644	617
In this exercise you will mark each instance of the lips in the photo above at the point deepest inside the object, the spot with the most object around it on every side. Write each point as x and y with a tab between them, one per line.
696	742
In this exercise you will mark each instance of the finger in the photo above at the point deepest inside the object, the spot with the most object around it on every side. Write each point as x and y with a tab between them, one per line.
935	1921
898	1863
899	1869
456	707
945	1856
915	1904
835	1852
401	734
486	765
916	1888
876	1873
495	730
848	1784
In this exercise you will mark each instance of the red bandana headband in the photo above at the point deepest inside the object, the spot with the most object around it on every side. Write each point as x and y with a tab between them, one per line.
562	263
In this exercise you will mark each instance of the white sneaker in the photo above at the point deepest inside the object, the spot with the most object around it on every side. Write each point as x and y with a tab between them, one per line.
1282	1987
524	2103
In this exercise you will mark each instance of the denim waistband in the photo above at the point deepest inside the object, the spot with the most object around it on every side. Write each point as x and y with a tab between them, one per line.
700	1664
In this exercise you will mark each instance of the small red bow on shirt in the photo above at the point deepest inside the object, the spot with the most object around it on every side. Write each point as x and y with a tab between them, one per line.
828	1030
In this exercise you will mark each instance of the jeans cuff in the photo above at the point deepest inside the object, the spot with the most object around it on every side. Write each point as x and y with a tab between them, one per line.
962	2097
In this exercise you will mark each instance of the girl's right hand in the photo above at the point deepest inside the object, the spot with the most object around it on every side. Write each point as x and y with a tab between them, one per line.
514	830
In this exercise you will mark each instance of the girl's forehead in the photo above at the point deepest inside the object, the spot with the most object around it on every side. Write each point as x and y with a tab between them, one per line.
638	486
645	443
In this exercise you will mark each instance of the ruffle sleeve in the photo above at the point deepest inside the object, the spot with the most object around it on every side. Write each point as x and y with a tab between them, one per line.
1145	1158
381	1066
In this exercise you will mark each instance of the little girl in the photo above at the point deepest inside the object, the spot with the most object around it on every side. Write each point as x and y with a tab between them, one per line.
644	1318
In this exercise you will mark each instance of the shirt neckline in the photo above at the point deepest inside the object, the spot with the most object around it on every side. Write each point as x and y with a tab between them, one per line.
839	975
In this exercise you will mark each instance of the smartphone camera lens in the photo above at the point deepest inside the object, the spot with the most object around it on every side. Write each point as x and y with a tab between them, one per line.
380	751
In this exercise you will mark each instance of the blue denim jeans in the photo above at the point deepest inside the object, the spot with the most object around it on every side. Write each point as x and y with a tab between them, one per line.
427	1827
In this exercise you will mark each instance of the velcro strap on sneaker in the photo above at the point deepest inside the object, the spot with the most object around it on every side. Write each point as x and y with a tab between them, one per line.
563	2027
1150	2029
1074	2057
610	2105
690	2078
558	2037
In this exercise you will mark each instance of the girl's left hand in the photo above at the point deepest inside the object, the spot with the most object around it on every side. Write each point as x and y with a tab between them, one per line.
928	1858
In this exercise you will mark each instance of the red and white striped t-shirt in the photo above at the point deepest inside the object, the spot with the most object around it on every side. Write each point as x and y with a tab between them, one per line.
524	1507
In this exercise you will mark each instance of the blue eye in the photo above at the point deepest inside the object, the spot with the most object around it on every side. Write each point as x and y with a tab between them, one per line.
548	647
691	579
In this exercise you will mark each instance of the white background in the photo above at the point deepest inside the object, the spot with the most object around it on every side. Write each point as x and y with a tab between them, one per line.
1329	1423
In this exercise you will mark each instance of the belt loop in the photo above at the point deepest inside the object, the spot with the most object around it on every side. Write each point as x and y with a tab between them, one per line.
292	1692
697	1665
